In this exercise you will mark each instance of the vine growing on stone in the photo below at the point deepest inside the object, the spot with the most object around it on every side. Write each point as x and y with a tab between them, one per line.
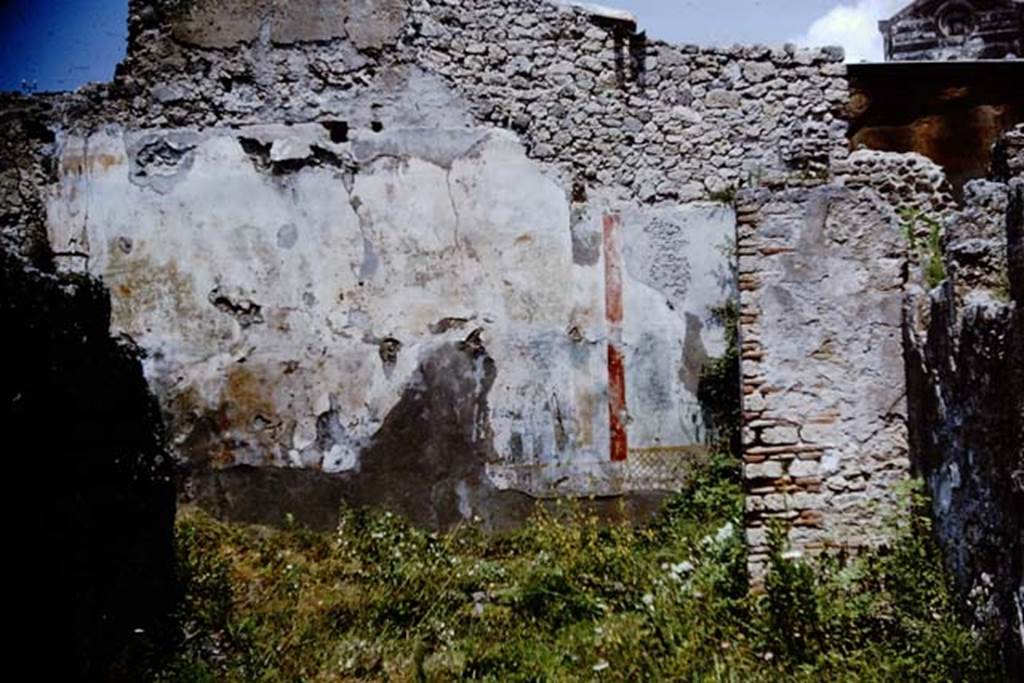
929	248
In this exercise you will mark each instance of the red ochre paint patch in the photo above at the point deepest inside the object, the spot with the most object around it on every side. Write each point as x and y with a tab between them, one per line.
617	405
617	414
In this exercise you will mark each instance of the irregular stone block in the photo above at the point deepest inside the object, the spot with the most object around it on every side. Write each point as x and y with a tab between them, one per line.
372	24
308	20
220	23
722	99
755	72
777	436
770	469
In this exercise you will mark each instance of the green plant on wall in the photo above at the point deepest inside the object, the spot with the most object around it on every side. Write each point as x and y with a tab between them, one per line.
719	387
1002	289
928	249
725	195
792	614
811	170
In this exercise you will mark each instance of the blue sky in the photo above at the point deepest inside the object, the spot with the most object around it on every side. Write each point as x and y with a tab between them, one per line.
62	44
852	24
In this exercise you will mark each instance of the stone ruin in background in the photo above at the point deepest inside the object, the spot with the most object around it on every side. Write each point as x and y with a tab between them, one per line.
944	30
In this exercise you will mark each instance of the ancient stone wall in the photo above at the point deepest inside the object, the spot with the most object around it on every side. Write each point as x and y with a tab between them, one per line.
825	440
940	30
451	258
321	218
880	337
1008	157
25	152
581	89
966	400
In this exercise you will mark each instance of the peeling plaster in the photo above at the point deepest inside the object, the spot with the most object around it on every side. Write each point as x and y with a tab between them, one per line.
338	262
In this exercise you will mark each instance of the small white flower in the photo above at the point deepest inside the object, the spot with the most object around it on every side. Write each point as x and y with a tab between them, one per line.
648	599
683	567
601	665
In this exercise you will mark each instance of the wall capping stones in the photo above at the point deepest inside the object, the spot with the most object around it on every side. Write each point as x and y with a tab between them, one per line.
627	19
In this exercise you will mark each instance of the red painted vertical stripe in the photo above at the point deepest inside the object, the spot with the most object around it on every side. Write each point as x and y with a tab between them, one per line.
619	444
617	414
612	275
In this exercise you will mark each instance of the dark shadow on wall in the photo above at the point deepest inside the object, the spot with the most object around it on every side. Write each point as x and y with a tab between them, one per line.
630	49
427	463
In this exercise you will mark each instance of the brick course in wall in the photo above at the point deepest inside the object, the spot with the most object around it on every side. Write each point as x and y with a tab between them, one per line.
820	272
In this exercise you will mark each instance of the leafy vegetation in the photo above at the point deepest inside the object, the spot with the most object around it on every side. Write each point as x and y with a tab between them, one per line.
1002	289
930	248
565	598
719	388
725	195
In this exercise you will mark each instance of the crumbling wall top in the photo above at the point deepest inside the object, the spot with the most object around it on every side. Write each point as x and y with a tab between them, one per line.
601	11
226	23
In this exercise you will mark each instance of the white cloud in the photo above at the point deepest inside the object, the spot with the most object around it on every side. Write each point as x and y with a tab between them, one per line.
854	26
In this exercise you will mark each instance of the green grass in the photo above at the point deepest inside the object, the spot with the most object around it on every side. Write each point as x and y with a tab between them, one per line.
565	598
